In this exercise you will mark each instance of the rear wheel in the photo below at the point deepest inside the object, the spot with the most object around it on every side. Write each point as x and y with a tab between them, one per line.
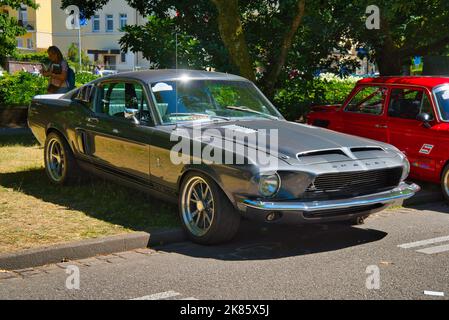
445	182
60	164
206	213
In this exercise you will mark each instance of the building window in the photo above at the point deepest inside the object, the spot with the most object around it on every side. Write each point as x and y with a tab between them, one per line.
96	23
23	16
123	20
109	23
30	43
123	57
20	43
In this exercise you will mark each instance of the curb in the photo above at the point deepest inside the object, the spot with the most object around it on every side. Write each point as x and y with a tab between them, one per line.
87	248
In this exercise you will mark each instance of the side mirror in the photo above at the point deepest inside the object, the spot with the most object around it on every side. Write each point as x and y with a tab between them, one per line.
132	114
425	118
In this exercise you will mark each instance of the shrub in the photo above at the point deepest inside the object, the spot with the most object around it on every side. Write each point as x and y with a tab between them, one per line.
84	77
19	89
298	95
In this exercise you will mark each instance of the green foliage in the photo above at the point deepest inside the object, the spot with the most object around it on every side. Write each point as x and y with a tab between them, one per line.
84	77
298	95
9	28
74	58
19	89
40	57
157	41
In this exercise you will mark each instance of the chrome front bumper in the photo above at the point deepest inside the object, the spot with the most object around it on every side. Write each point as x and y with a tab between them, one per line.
402	192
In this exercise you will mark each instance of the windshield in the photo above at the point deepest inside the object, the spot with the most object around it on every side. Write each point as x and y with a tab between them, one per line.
442	97
196	100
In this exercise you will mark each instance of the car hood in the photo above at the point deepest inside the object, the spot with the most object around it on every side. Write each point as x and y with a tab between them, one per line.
304	143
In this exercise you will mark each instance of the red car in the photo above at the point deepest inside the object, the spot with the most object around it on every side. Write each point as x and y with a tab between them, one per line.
411	113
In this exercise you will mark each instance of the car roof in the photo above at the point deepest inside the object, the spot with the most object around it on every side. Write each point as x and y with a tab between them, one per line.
151	76
429	82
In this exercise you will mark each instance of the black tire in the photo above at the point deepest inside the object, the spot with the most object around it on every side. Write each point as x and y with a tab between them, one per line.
445	182
69	170
224	220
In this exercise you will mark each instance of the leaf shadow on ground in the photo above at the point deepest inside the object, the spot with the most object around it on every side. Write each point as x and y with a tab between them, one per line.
98	199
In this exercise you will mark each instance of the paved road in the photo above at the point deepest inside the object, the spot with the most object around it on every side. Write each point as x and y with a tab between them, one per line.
319	262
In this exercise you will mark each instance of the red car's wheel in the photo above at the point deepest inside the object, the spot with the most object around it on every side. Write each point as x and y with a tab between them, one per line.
445	182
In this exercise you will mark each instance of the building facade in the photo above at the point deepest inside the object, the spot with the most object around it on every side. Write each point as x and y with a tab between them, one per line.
46	26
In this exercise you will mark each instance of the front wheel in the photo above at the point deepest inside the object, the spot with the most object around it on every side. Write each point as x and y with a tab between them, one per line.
445	182
206	213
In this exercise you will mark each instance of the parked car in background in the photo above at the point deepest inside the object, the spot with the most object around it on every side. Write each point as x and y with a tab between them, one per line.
105	73
411	113
121	127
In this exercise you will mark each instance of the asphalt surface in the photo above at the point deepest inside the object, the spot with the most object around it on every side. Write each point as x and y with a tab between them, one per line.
315	262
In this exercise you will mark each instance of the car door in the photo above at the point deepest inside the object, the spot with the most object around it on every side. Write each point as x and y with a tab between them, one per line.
364	114
118	131
410	135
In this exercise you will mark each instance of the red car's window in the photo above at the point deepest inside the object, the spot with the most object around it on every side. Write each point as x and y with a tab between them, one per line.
408	103
368	100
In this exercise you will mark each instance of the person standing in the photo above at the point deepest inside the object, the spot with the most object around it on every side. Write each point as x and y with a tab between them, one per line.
57	72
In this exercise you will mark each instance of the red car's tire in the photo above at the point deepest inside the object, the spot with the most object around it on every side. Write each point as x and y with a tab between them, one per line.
445	182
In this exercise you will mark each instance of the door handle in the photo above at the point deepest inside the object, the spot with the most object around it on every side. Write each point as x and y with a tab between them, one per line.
93	120
381	126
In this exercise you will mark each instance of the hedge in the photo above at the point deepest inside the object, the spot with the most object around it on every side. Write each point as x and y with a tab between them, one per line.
293	100
298	95
19	89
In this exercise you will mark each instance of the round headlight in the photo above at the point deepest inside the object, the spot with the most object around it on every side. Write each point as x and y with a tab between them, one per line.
406	170
269	185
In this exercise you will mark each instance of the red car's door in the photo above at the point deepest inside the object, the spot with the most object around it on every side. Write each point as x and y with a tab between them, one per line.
364	114
410	135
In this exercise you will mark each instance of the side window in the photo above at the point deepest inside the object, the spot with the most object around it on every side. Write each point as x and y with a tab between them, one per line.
121	99
369	100
408	103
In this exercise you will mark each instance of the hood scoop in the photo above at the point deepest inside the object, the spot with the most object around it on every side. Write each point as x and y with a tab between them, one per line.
321	156
343	154
239	129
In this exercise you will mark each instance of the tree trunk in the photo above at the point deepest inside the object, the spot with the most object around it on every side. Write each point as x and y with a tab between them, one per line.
231	31
276	68
389	62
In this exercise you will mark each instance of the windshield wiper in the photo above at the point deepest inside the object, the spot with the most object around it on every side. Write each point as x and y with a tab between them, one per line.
210	116
246	109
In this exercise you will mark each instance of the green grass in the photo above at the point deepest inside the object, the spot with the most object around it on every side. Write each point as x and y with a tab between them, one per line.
33	212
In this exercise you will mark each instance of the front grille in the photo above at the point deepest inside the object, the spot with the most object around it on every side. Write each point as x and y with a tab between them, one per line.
341	212
351	184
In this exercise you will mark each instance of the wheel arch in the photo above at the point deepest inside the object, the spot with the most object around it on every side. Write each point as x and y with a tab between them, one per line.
210	174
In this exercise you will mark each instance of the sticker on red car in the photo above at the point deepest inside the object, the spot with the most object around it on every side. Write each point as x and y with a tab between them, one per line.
426	149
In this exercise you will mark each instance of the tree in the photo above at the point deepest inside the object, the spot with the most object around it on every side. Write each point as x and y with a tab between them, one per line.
219	26
74	57
10	29
407	29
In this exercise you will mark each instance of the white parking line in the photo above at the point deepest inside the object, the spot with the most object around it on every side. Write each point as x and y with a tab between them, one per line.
159	296
434	293
423	242
435	249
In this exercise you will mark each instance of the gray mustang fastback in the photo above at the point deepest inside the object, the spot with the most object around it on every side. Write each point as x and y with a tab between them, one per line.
216	145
